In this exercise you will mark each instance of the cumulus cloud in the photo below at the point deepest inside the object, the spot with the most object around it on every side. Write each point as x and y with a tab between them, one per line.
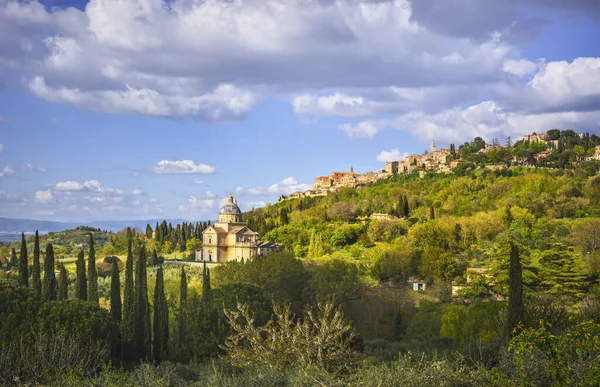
95	199
391	155
199	206
363	129
284	187
214	59
43	196
520	67
182	167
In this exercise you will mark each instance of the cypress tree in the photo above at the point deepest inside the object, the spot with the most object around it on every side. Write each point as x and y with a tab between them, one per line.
128	326
431	213
161	319
81	282
63	283
36	280
49	284
182	287
206	296
115	292
23	262
14	261
181	330
142	309
92	273
406	208
154	258
515	289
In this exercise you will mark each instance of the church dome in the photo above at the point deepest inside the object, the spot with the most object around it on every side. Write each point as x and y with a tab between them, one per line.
230	207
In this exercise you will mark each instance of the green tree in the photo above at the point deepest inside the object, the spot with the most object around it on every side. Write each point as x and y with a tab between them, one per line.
115	292
181	330
431	213
36	279
336	281
63	283
23	263
515	288
129	305
148	232
161	319
142	309
81	283
49	284
92	273
14	261
283	217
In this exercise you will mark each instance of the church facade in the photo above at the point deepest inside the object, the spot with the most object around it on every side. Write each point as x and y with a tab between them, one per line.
230	239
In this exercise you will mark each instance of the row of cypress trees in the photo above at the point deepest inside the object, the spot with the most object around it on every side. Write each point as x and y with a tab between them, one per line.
50	289
140	339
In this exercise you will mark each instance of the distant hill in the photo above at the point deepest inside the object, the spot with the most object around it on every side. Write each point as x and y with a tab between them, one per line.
10	229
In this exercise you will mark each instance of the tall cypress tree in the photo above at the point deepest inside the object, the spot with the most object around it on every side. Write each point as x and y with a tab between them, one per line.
181	330
182	288
406	208
81	282
161	319
14	261
206	294
431	213
515	289
92	273
23	262
115	292
128	326
49	284
63	283
142	309
36	278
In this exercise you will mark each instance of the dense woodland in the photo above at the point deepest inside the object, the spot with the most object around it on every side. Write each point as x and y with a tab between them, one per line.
341	292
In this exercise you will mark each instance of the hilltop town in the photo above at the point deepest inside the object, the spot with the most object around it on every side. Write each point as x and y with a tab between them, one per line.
445	160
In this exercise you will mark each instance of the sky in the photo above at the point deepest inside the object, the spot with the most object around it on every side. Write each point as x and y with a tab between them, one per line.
142	109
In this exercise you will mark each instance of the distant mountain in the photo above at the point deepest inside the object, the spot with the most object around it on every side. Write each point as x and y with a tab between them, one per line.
12	226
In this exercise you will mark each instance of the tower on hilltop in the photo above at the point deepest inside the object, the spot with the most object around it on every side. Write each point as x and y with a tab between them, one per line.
432	147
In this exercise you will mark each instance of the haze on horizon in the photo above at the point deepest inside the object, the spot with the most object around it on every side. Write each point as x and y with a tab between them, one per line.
114	110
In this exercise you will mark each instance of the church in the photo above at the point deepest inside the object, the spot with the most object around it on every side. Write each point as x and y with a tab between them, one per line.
230	239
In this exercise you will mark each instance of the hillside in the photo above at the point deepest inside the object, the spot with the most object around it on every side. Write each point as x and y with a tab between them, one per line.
453	222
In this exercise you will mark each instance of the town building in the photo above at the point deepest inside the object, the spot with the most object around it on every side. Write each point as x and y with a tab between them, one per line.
230	239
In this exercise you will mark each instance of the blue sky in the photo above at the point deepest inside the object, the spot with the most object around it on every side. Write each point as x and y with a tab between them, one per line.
113	110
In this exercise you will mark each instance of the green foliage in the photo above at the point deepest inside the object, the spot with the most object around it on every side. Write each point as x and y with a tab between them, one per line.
336	281
49	286
92	276
160	343
23	263
128	325
36	279
81	283
228	296
18	308
569	359
516	311
63	283
321	339
115	293
143	333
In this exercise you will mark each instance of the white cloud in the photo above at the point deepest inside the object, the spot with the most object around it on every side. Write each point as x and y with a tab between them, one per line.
201	206
362	129
7	197
284	187
391	155
214	59
7	170
182	167
519	67
69	186
43	196
137	192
